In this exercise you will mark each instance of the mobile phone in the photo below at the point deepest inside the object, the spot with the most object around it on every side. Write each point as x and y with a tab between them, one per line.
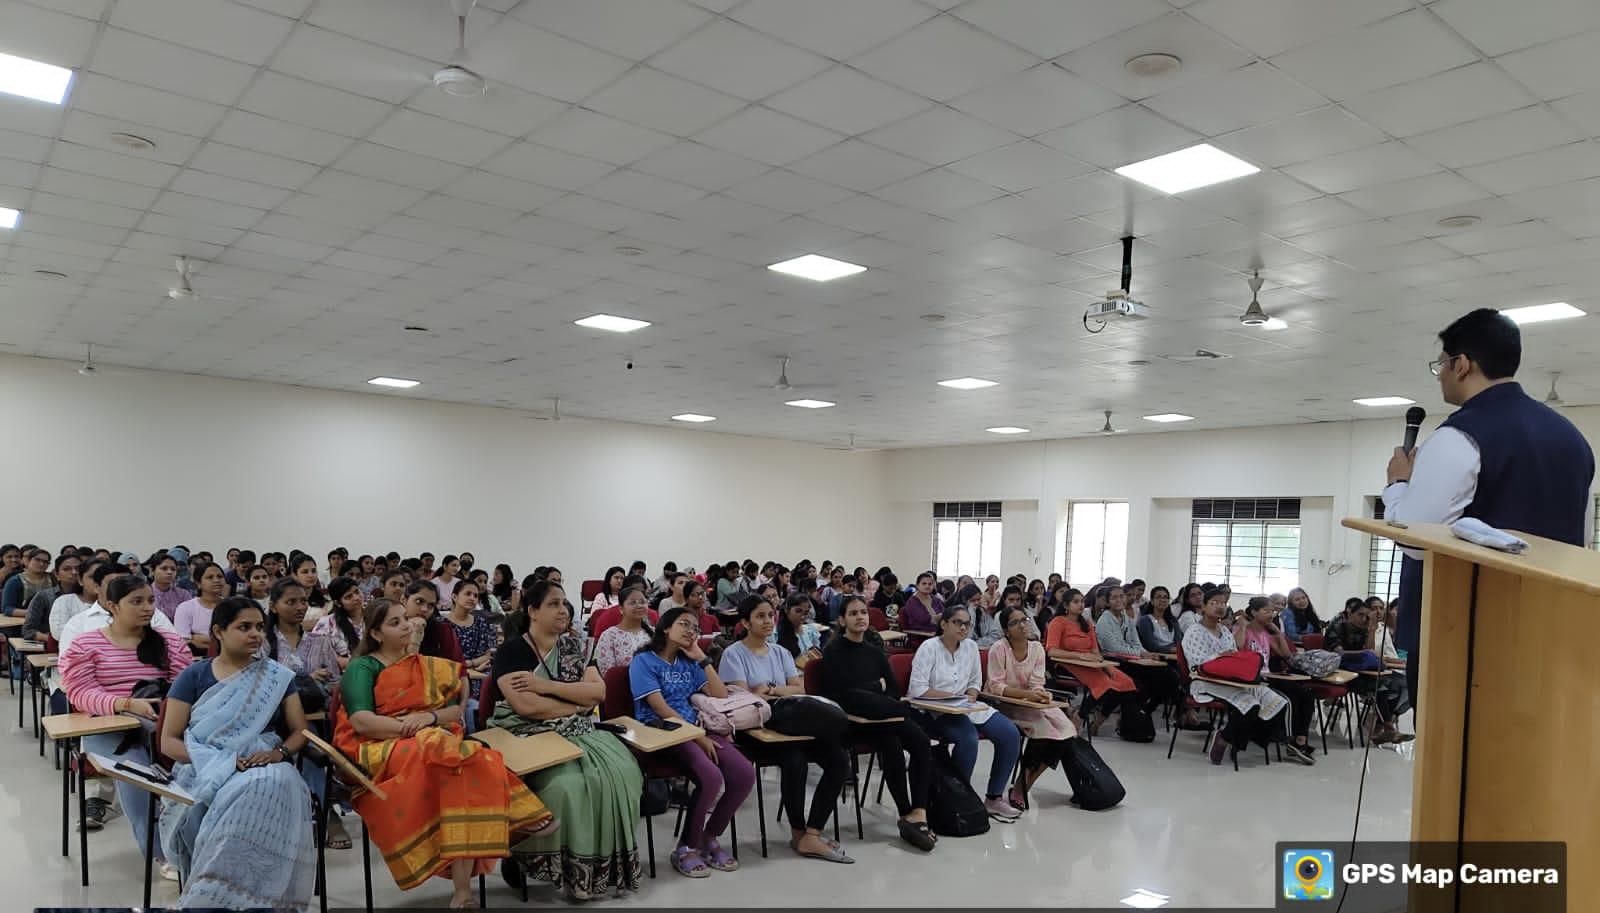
155	774
612	728
668	725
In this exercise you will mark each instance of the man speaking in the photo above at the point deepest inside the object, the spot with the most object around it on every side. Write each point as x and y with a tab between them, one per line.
1501	457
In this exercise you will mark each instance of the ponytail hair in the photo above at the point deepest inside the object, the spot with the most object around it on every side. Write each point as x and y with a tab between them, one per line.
152	649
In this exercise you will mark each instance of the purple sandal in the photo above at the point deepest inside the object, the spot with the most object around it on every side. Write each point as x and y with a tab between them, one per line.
718	858
686	861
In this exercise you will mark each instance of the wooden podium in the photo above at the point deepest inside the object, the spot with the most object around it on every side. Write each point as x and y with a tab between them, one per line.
1508	727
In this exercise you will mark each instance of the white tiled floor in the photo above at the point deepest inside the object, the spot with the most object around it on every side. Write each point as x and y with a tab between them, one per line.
1203	835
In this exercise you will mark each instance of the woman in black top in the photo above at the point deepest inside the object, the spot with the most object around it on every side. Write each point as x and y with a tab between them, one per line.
857	676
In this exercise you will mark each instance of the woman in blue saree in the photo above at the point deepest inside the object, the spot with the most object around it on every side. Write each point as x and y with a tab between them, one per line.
246	842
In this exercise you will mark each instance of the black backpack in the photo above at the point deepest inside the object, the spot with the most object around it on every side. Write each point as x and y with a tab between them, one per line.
1135	725
1094	786
954	809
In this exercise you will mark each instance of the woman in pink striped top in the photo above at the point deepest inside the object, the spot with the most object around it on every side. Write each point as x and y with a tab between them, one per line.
100	669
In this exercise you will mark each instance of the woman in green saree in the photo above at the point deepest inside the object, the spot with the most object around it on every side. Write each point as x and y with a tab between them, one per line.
547	683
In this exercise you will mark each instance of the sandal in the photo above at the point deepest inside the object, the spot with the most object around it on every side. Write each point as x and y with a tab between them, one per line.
1018	799
917	834
338	837
834	853
719	858
686	860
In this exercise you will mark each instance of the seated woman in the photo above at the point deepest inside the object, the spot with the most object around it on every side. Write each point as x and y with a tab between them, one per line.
755	665
1118	634
438	640
985	618
286	641
1158	626
1257	712
476	636
1352	632
336	635
1191	605
663	675
1301	619
1260	632
922	607
453	807
546	685
1072	638
610	595
1017	669
193	618
856	675
247	841
945	667
793	633
258	585
619	642
99	670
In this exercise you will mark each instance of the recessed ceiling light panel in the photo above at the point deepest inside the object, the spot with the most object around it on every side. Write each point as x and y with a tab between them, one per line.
1169	417
32	79
1383	401
967	383
810	403
1539	313
613	324
8	217
1187	169
1007	429
693	417
817	268
396	382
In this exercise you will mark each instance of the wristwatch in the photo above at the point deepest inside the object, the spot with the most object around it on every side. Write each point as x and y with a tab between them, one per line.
284	751
704	662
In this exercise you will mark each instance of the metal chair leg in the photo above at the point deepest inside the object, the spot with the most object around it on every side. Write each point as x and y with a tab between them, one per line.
650	841
366	864
761	812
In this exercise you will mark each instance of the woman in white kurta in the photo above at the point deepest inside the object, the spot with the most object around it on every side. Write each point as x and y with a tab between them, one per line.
1259	712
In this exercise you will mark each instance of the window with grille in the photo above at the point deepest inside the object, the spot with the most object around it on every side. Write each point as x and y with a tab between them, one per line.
1097	541
966	538
1383	562
1253	544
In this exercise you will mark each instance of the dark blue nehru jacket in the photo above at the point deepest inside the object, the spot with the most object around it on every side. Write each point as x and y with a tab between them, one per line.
1535	478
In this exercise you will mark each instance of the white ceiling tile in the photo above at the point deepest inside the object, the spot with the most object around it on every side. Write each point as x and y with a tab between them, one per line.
1120	136
786	191
343	187
1572	162
355	66
1308	216
1532	233
1270	27
1247	198
1256	94
189	230
1497	28
374	161
594	135
591	212
1299	138
1453	97
1036	100
654	99
839	29
700	166
739	60
939	136
45	35
1088	193
283	247
83	9
29	116
634	29
199	209
233	162
858	166
726	213
940	191
503	108
1021	166
114	98
23	146
551	167
767	136
1356	168
847	100
1413	194
287	227
438	138
1399	49
1573	207
292	141
483	187
1203	52
1049	28
945	58
542	62
95	131
420	28
224	29
293	9
642	191
230	190
1501	136
101	190
340	201
284	98
160	65
87	160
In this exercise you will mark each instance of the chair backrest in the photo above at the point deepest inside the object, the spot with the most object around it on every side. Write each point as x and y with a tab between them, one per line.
605	618
156	755
705	642
488	696
812	676
1312	641
983	666
876	619
1183	667
710	624
213	649
591	589
619	694
900	665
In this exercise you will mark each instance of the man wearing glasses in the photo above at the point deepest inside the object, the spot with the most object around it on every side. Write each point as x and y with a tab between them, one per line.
1502	457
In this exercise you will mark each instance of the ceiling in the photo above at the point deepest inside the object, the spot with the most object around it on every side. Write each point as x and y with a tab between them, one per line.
329	196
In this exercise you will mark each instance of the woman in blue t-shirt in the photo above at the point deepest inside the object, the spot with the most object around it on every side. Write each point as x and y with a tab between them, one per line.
663	675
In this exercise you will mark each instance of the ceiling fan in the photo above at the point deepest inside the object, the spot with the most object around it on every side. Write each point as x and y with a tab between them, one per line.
852	448
184	290
89	368
1106	428
1553	398
784	385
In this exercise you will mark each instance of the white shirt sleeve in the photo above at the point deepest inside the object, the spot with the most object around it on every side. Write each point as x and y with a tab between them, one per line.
1443	481
922	668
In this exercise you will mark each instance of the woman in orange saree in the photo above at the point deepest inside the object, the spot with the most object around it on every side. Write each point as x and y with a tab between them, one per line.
453	806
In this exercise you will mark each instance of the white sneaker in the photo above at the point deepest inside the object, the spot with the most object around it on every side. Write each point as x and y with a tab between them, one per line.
1001	810
169	871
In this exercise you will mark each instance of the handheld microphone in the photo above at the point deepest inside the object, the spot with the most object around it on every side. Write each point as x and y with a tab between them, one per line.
1414	417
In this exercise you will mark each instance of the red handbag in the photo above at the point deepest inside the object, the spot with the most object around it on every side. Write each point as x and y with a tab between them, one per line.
1243	666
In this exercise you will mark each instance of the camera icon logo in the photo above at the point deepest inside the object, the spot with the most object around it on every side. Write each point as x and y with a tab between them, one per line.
1308	874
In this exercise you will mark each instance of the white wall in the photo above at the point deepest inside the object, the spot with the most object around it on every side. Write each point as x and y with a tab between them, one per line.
139	460
1339	464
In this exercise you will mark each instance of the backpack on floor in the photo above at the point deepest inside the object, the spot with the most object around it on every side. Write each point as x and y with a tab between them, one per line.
1094	786
954	809
1135	725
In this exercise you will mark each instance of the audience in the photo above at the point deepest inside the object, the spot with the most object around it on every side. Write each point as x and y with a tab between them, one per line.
795	633
664	674
1257	712
476	635
1191	605
618	643
336	635
164	584
1017	670
1158	627
453	807
1118	636
1262	633
1351	634
1301	619
37	621
1071	641
192	619
919	611
20	588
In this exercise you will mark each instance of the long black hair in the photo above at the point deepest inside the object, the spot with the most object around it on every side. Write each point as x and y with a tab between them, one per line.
623	597
227	612
502	590
1066	600
314	595
1171	617
1307	620
274	596
433	633
336	593
658	637
517	623
152	649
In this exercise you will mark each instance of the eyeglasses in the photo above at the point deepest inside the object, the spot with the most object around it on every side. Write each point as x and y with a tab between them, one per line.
960	623
1436	367
1016	622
